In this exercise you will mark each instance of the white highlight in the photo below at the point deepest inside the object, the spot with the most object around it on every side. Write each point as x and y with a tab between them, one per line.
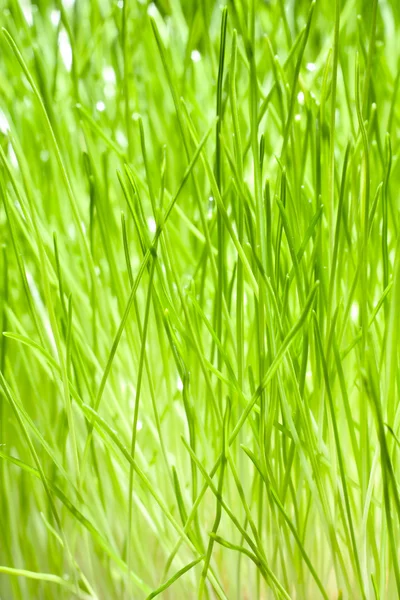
152	225
300	98
55	16
109	74
65	49
121	139
354	311
71	231
4	125
195	56
210	210
101	107
311	67
12	156
179	384
27	10
152	10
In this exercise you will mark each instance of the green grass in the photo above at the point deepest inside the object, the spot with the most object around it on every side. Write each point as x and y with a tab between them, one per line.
199	299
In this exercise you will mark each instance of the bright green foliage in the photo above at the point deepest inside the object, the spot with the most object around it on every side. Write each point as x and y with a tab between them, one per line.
199	294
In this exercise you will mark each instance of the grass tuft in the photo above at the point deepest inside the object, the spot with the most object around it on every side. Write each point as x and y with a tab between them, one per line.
199	299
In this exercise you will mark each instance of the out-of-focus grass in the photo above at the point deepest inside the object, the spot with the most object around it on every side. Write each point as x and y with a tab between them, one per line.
200	291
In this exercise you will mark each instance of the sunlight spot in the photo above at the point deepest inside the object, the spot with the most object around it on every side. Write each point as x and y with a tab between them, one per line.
4	125
139	425
210	210
179	384
109	74
55	16
12	156
152	10
100	106
152	225
72	231
27	10
110	79
354	311
195	56
65	49
297	118
311	67
121	139
300	97
44	156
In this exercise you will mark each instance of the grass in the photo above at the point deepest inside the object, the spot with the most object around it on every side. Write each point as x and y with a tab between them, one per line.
199	299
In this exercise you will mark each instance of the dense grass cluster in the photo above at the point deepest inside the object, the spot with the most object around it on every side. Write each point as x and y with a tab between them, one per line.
200	299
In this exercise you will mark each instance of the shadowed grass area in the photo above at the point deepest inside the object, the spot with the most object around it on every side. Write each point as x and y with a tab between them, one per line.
199	299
